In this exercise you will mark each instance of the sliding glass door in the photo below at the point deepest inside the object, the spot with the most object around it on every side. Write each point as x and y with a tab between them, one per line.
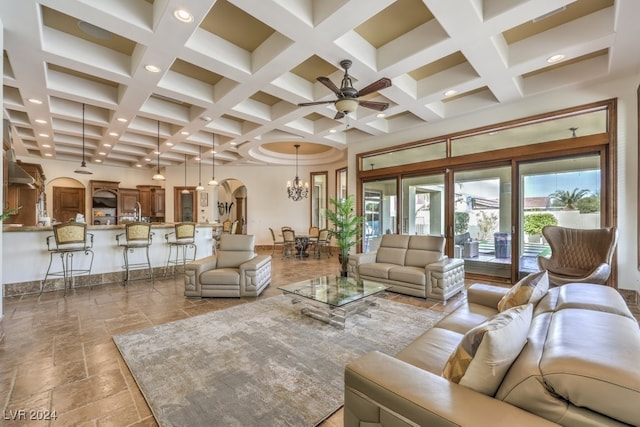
379	204
482	220
565	192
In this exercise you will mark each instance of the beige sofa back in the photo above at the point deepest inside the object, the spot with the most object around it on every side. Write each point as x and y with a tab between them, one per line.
235	249
413	251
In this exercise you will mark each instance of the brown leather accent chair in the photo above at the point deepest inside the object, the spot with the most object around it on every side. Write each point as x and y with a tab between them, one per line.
579	255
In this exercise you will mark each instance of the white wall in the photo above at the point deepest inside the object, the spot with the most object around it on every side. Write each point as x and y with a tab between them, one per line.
623	88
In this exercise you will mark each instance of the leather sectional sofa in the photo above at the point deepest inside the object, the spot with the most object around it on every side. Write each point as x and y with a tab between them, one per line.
578	367
412	265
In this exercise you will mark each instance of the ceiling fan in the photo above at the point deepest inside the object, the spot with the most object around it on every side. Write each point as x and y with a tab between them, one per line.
347	101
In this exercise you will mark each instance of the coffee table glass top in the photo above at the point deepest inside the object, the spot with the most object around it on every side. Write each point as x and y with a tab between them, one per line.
335	291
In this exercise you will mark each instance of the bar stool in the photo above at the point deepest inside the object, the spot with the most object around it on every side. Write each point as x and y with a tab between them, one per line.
137	235
70	238
183	238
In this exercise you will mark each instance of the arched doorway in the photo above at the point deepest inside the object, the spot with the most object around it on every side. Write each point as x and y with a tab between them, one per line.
232	202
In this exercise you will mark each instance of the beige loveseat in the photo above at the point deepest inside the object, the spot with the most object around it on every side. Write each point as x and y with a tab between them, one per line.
578	367
235	270
412	265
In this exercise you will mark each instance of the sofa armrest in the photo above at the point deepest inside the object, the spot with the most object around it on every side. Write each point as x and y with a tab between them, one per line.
255	263
192	272
255	275
379	388
356	259
486	295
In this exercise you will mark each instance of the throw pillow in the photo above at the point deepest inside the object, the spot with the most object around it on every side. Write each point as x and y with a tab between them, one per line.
487	351
529	290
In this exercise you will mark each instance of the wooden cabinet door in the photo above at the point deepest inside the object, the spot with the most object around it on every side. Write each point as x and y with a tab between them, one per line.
127	200
158	203
145	201
67	202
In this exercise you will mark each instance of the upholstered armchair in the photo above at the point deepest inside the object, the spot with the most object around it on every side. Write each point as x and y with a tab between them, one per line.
579	255
235	270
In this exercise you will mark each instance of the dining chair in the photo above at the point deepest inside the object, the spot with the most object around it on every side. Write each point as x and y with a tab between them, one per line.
275	241
289	247
324	240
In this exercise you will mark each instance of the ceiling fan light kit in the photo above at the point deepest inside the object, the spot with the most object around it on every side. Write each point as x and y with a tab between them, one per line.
347	96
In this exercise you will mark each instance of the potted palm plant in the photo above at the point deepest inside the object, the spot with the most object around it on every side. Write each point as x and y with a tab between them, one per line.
347	227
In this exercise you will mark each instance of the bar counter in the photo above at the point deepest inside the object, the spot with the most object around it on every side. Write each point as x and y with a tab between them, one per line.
25	257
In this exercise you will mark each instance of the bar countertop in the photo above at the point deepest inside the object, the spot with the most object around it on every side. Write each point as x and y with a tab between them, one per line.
18	228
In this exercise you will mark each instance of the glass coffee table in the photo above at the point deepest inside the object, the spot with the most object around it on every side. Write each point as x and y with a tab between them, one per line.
331	298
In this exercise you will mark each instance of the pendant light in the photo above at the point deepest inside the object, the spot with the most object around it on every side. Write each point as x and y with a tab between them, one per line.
185	190
199	187
83	169
158	176
296	190
213	181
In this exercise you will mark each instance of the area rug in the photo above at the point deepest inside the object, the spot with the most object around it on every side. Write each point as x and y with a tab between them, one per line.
261	363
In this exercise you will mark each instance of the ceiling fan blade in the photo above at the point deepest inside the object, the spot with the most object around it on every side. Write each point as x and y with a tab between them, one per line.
375	86
328	83
339	115
306	104
379	106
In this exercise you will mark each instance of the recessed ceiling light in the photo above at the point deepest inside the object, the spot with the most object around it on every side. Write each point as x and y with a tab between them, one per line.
34	101
122	119
233	143
169	144
184	132
183	16
156	152
214	152
41	121
333	131
138	165
152	68
381	115
113	133
102	153
146	159
450	92
106	145
48	155
98	161
555	58
46	146
44	135
205	118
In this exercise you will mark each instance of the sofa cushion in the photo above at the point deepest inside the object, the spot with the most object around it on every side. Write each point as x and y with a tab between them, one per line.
377	270
486	352
234	258
221	276
415	275
393	249
590	359
424	250
529	290
592	297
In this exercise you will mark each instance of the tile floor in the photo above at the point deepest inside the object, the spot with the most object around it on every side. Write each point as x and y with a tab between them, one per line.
58	354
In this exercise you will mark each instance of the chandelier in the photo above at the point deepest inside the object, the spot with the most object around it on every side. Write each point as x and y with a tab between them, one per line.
296	190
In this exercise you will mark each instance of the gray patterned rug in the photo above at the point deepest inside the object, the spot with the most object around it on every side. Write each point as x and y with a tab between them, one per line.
259	364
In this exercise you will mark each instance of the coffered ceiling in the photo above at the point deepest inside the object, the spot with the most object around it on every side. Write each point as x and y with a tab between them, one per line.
233	76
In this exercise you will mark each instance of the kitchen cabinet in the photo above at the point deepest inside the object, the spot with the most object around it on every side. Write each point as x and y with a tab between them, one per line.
128	199
157	198
152	202
104	202
27	197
